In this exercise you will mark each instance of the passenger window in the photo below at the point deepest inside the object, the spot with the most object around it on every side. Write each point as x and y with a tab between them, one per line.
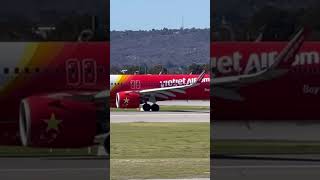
37	70
16	70
6	70
26	70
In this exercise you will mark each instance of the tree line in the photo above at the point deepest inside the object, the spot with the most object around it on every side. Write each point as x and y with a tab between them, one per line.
159	69
268	23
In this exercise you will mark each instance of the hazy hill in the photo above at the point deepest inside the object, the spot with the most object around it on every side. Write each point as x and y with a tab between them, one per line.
171	48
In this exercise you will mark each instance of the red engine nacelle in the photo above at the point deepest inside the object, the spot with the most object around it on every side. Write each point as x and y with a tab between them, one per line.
127	99
47	122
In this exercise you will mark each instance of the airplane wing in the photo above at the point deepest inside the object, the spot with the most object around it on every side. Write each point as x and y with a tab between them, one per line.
281	65
226	87
100	96
167	92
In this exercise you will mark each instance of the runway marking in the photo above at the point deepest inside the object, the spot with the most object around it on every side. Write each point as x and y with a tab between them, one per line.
266	166
53	169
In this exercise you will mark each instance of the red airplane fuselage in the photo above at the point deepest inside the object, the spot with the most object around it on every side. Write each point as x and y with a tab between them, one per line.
122	83
292	96
41	77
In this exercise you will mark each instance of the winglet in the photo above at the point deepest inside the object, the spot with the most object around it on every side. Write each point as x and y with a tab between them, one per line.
200	77
287	55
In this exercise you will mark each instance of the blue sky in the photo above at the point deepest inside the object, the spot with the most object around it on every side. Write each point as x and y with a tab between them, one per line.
157	14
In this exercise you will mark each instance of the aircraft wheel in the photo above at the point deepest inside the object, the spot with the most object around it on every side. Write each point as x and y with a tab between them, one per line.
155	107
146	107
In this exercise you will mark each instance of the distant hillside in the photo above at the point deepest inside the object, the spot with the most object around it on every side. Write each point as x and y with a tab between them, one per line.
170	48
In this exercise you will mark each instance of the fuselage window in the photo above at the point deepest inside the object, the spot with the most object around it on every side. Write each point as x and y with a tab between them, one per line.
16	70
6	70
37	70
26	70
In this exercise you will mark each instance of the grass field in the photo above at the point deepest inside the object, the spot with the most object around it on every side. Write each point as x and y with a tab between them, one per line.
160	150
18	151
264	147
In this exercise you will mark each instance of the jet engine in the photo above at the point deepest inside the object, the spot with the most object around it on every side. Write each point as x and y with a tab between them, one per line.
57	123
127	100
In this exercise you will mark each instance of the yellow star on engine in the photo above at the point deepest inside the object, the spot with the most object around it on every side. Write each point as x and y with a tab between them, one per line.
52	123
126	101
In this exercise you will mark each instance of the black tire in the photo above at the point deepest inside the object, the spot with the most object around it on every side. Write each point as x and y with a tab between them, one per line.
146	107
155	107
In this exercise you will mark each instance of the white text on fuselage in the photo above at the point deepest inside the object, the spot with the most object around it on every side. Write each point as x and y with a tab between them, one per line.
307	89
257	61
181	82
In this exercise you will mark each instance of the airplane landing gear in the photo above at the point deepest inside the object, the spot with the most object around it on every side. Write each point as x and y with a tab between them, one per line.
146	107
155	107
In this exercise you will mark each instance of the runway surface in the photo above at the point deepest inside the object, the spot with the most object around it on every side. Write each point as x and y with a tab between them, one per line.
187	116
184	103
262	169
54	168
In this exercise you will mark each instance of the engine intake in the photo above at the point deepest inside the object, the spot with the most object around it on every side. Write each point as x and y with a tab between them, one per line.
47	122
127	100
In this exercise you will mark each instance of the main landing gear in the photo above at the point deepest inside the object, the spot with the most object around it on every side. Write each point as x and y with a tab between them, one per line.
148	107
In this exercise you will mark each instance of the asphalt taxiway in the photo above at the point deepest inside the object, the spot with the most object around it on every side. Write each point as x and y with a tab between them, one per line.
162	116
54	168
265	169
